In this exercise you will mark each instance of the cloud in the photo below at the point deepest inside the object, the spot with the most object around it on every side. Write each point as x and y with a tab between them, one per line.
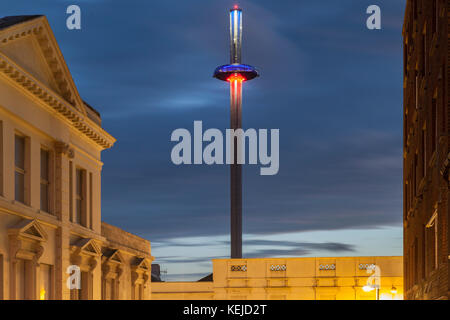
184	260
332	87
255	248
273	248
326	246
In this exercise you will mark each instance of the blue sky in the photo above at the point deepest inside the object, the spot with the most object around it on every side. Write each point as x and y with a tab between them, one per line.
332	87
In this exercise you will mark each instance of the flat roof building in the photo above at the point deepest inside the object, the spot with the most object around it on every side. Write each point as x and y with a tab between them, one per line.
331	278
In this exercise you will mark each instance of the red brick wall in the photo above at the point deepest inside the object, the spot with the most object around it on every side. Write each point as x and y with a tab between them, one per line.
425	178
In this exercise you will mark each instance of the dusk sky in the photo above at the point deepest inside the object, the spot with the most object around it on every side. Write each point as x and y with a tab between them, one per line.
332	87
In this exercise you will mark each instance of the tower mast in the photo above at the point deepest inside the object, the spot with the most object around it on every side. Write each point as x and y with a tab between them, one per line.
236	73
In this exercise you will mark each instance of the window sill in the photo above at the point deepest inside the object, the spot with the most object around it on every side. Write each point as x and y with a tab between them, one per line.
20	209
80	228
46	213
18	203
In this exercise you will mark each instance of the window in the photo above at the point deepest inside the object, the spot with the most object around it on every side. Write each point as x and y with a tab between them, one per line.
416	81
444	99
435	16
20	173
85	291
424	152
110	289
80	197
45	180
434	133
46	290
415	175
416	261
91	215
432	242
415	9
139	291
424	53
23	279
71	191
423	253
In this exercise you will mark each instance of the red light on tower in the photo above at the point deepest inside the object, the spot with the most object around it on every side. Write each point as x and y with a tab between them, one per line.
236	77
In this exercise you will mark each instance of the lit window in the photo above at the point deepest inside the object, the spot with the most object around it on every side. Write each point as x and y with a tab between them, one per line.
45	292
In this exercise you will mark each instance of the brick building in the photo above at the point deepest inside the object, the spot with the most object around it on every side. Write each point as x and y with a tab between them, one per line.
426	149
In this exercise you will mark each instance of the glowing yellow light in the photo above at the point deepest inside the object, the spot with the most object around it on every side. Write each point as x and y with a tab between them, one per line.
367	288
42	294
393	290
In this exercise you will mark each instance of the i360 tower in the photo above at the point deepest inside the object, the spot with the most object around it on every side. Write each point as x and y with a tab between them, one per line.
236	73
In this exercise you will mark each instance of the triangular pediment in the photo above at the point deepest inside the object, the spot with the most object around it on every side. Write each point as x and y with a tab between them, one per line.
88	246
116	257
27	53
31	45
142	264
91	248
29	229
32	231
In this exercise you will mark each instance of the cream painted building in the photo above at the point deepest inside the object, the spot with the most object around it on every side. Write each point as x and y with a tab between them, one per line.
340	278
50	181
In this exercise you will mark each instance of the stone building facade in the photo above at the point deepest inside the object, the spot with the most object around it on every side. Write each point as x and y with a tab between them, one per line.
426	149
50	181
331	278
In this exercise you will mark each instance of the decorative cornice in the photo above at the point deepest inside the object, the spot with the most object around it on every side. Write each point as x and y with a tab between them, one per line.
54	101
40	29
67	103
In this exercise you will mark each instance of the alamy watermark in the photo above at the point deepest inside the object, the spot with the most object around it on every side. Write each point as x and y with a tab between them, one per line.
374	20
74	20
74	279
214	151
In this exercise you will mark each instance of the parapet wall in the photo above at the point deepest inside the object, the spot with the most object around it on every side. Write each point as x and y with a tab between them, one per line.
120	238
